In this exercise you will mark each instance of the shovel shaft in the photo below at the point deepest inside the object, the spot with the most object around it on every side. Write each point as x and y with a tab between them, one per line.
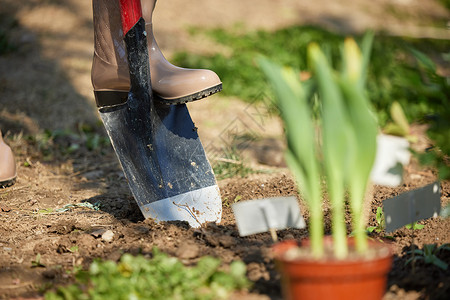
131	12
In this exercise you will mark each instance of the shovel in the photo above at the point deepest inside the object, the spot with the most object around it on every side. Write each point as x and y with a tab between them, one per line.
157	145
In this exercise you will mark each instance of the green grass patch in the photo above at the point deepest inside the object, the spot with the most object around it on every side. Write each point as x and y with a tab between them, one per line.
162	277
230	164
396	72
63	142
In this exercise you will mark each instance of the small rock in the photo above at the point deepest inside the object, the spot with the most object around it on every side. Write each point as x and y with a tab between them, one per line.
108	236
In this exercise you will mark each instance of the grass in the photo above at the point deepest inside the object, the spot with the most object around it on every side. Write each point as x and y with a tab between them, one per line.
400	69
63	142
396	72
230	165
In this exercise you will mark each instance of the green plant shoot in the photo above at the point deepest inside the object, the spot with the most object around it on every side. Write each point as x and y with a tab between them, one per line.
301	157
415	226
335	138
162	277
381	225
429	255
364	129
346	151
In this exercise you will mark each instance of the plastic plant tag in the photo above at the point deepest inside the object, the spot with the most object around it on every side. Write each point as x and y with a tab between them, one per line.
256	216
392	154
412	206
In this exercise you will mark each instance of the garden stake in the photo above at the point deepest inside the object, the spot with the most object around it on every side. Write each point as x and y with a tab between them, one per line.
157	145
273	231
413	263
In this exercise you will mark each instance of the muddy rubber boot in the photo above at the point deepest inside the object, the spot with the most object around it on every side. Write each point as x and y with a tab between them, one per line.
110	74
7	165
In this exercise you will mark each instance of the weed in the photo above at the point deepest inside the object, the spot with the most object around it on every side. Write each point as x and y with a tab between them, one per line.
37	262
415	226
227	201
381	225
45	211
429	255
68	207
65	142
73	249
230	165
162	277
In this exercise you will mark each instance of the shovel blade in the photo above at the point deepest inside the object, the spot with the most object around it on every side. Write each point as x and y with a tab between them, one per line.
256	216
164	162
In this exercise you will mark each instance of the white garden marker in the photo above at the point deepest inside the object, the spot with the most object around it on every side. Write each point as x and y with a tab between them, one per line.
392	154
269	214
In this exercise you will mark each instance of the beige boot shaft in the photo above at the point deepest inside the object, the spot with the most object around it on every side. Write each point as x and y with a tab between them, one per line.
110	65
110	69
7	163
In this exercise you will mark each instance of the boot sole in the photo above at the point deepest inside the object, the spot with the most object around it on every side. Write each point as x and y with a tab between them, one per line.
113	97
190	98
7	183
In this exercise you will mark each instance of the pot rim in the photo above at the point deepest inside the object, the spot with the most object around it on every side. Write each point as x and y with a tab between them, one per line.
377	251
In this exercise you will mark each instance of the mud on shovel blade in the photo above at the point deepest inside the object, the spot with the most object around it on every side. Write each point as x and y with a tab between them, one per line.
159	150
269	214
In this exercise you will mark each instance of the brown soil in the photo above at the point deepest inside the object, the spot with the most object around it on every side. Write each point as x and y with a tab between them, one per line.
45	84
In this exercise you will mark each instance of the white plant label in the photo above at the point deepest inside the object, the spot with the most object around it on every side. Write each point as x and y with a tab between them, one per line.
392	154
412	206
256	216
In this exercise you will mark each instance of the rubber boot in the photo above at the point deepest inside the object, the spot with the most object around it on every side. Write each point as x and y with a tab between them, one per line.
110	75
7	165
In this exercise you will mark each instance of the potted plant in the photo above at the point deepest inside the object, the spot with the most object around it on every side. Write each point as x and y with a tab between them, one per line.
337	143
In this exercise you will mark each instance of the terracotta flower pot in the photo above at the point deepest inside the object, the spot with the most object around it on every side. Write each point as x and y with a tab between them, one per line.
355	278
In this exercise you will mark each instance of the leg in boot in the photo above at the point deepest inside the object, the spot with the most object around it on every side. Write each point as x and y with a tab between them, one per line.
170	84
7	165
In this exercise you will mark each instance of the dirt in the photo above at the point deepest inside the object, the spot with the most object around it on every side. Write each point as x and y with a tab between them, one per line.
45	85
